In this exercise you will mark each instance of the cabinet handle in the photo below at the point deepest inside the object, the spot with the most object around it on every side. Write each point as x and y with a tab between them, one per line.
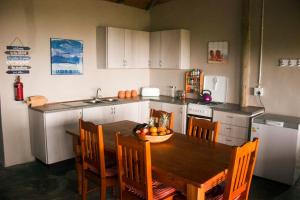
228	128
229	117
228	140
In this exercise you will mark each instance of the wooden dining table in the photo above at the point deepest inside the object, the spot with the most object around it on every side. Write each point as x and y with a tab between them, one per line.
191	165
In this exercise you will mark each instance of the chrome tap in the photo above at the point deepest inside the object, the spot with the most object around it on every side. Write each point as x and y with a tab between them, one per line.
97	93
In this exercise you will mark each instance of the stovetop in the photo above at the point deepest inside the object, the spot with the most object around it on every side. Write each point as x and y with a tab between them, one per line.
207	104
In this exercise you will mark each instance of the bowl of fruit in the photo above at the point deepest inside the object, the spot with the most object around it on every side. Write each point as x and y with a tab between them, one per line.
152	133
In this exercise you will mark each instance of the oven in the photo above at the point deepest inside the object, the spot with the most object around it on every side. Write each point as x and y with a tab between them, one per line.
198	110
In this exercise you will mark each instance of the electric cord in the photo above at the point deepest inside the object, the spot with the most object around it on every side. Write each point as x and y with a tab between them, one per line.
261	103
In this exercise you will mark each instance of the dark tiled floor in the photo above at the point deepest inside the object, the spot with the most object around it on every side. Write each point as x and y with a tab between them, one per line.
39	182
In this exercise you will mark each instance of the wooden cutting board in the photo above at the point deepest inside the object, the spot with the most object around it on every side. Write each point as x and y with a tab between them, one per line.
34	101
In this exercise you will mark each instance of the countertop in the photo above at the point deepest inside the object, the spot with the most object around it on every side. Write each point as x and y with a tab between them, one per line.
226	107
289	121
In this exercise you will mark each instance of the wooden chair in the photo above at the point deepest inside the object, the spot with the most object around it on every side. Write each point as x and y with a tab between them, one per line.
204	129
239	177
158	113
93	160
134	168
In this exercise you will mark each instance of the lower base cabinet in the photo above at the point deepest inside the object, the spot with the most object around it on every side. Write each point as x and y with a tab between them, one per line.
49	141
51	144
108	114
234	128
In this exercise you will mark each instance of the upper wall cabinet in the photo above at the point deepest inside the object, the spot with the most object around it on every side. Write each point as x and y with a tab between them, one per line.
122	48
170	49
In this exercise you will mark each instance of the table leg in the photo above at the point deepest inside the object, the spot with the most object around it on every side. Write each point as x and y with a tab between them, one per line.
195	193
78	165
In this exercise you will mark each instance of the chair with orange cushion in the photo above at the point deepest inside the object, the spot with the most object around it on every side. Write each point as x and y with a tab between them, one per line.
134	168
93	160
158	113
239	177
204	129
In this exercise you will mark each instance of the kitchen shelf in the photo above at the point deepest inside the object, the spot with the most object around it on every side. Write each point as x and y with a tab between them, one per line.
194	83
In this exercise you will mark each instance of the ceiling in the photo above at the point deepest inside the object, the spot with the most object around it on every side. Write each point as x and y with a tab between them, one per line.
143	4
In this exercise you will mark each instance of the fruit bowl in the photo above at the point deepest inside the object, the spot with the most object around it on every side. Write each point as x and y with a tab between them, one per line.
152	134
155	139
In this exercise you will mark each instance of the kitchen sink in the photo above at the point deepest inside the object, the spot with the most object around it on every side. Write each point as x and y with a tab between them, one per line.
109	100
94	101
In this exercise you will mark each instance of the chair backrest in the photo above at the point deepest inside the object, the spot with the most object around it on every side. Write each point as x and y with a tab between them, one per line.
134	164
158	113
241	170
204	129
92	147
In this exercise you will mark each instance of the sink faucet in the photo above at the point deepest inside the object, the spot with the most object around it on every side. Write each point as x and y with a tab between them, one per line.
97	94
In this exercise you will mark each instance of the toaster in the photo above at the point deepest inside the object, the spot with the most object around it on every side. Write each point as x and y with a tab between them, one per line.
150	92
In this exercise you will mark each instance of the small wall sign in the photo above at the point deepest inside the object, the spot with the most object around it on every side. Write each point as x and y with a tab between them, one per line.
17	58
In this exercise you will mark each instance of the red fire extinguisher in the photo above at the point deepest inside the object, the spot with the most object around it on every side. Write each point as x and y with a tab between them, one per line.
18	85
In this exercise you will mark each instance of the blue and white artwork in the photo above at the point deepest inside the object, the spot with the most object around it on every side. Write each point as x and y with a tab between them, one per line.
66	56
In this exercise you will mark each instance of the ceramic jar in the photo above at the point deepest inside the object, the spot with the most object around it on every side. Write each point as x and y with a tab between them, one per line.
121	94
128	94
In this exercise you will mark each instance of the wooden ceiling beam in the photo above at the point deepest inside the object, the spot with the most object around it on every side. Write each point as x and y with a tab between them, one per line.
151	4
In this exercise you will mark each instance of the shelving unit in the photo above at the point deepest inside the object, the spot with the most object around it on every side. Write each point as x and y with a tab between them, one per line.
194	83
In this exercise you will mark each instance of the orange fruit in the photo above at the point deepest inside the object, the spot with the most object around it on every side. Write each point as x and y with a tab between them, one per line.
160	129
153	129
163	133
153	133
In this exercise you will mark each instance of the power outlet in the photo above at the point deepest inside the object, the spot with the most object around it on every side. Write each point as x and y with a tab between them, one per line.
258	91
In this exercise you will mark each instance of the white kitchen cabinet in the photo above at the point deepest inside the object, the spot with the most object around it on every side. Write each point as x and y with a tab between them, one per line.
170	49
122	48
234	128
155	50
179	114
156	105
144	111
128	111
100	114
49	141
140	49
108	114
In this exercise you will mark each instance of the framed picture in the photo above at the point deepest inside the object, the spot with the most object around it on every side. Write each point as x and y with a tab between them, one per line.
217	52
66	56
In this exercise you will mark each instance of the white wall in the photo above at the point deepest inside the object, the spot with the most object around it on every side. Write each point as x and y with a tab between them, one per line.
35	22
208	20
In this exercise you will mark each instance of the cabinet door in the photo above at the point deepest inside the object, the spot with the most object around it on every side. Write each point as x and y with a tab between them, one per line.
38	135
170	44
140	49
155	61
129	111
115	47
144	108
59	143
179	116
99	115
128	52
155	105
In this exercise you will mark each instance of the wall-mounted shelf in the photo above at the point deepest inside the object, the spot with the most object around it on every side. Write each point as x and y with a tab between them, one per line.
194	83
